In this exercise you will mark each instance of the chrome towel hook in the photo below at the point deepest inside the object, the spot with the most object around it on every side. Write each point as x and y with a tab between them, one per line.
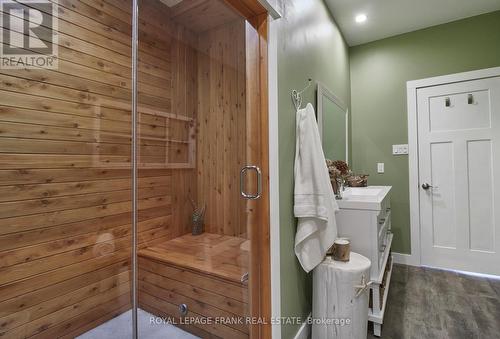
297	95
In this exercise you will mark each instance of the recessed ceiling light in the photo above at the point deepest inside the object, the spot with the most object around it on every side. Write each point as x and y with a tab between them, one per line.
360	18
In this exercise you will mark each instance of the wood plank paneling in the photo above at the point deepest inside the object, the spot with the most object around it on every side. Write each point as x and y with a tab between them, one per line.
29	299
65	176
65	179
164	308
221	148
214	12
207	282
229	305
195	306
162	287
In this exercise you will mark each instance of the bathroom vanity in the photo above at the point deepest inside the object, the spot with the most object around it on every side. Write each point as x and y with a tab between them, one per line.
365	219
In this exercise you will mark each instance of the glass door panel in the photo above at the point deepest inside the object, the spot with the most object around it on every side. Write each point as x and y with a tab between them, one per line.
65	168
194	249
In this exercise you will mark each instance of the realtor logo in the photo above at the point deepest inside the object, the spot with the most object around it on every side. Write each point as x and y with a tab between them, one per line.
29	34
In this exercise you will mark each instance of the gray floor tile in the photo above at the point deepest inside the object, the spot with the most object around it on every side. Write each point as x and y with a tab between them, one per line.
121	328
399	273
459	325
495	284
475	286
433	304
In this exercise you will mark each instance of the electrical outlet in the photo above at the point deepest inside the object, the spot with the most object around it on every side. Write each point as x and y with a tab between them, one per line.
380	167
400	149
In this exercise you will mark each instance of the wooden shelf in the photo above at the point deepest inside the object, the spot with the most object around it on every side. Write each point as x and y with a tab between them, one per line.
169	138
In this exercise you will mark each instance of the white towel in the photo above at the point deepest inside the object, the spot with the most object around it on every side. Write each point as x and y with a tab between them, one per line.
315	204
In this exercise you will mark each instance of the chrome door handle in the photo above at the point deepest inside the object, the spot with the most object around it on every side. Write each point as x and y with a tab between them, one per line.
243	172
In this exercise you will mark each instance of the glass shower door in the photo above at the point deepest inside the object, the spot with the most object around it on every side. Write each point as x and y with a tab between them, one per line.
68	198
198	107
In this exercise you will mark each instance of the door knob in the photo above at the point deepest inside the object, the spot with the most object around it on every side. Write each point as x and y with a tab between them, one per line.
426	186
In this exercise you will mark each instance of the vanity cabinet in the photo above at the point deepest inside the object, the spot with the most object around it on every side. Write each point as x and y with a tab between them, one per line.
365	219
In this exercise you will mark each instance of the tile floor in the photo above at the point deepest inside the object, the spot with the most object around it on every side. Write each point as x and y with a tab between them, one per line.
121	328
434	304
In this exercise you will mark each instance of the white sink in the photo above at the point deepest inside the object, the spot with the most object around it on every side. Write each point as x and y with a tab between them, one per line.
364	191
368	198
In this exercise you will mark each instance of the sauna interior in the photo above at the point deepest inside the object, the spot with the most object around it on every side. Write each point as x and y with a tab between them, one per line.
65	143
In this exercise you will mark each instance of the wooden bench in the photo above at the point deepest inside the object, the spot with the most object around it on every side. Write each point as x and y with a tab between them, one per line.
204	272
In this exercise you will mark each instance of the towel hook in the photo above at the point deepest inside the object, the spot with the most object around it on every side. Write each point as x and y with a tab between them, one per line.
297	95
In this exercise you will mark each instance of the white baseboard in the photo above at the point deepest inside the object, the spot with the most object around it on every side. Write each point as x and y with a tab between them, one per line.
405	259
304	331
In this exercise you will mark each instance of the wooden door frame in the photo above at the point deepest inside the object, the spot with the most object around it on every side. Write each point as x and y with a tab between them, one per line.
258	127
413	162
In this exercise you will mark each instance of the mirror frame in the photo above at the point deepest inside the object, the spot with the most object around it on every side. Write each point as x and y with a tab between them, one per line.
322	92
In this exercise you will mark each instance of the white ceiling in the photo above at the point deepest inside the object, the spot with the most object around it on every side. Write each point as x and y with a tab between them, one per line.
392	17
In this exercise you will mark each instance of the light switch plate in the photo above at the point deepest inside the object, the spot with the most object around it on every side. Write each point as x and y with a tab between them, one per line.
400	149
380	167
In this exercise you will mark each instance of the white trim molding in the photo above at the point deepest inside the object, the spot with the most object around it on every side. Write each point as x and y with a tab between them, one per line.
412	86
413	182
274	197
304	331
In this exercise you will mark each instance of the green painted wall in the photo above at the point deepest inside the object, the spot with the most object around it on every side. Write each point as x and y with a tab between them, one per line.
309	45
379	72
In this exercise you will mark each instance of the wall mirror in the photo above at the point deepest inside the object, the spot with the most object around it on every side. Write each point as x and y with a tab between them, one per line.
333	124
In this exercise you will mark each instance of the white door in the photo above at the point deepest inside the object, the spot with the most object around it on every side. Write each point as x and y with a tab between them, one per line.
459	175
